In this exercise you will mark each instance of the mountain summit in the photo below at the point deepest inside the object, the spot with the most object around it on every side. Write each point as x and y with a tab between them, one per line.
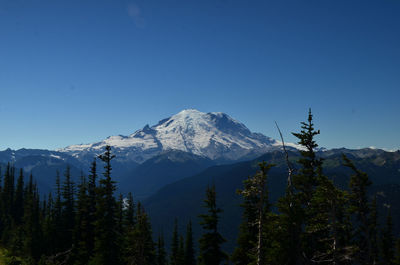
214	135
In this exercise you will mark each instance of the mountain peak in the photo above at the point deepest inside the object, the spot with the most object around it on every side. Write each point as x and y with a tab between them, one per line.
214	135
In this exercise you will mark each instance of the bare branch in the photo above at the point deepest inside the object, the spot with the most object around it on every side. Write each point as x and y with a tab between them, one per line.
289	165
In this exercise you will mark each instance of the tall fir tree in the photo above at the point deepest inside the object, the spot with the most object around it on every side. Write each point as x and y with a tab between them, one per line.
92	204
161	253
174	256
189	247
373	230
296	245
106	249
19	199
31	220
181	251
253	241
68	209
359	208
82	240
210	252
141	248
387	241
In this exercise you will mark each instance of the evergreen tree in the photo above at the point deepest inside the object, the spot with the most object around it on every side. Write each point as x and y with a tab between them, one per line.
129	213
296	240
92	203
19	199
141	249
329	225
49	228
373	229
189	248
7	203
81	237
359	208
387	241
120	216
68	210
106	250
181	251
174	257
252	241
58	218
161	253
31	220
210	252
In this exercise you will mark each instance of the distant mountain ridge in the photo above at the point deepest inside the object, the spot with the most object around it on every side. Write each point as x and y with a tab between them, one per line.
214	135
176	147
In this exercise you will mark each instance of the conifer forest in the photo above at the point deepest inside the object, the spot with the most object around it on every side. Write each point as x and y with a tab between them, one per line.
316	221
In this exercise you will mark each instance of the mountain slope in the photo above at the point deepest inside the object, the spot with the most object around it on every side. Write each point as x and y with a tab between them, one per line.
214	135
165	168
184	199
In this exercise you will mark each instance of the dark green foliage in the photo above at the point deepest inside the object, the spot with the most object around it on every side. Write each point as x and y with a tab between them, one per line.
397	257
68	210
106	249
82	239
359	208
254	240
75	228
161	253
92	204
210	252
19	199
387	241
189	248
141	248
314	223
299	240
373	230
174	257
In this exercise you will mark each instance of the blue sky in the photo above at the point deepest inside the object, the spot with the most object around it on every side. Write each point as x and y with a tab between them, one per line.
78	71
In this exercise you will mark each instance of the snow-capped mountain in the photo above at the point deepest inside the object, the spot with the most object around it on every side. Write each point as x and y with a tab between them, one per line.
214	135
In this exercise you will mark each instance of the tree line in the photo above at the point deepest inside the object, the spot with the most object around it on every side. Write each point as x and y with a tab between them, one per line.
315	222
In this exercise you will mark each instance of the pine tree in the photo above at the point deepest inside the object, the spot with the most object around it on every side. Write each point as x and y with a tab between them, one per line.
161	253
106	250
387	241
129	213
68	210
181	251
19	199
373	229
7	203
210	252
329	225
295	244
32	228
189	248
58	218
92	203
252	241
174	257
82	239
359	208
49	228
140	242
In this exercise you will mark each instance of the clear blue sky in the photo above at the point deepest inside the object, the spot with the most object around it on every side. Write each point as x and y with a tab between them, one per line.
78	71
